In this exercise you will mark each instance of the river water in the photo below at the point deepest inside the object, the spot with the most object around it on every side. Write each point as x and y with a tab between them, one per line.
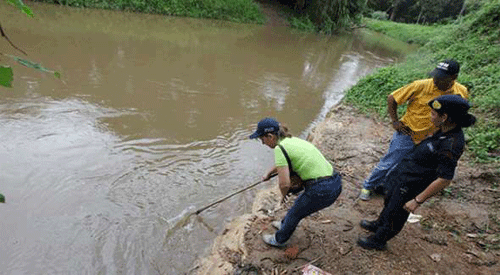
149	121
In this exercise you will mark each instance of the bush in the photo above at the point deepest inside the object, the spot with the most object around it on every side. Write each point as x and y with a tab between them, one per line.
379	15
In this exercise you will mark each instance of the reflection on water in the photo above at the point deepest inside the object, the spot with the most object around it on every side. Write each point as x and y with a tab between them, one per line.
150	121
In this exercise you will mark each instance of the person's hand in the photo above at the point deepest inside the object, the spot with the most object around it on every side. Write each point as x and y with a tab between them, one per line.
285	199
266	176
411	206
401	127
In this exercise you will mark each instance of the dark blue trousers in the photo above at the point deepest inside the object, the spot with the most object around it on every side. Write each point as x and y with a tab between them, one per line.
315	197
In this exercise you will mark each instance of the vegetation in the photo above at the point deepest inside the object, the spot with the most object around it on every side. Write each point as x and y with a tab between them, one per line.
475	42
409	33
324	16
245	11
421	11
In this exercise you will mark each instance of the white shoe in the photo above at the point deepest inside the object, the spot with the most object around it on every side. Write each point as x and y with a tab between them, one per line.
271	240
276	224
365	194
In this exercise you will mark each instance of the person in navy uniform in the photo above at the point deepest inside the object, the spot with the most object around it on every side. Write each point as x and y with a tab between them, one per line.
425	171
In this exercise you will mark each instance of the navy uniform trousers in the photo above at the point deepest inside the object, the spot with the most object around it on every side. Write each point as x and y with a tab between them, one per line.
393	217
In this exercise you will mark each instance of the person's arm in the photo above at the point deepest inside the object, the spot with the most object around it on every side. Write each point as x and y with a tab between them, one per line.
436	186
284	180
392	110
269	174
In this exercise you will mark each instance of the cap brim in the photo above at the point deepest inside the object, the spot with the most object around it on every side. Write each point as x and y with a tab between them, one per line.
254	135
438	73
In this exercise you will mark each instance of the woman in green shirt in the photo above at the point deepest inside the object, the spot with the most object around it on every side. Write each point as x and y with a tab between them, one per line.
322	185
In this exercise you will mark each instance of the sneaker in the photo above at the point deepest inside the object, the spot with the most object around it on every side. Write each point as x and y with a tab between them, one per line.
270	239
276	224
365	194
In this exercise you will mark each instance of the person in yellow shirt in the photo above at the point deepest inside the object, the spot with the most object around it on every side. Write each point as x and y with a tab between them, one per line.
415	125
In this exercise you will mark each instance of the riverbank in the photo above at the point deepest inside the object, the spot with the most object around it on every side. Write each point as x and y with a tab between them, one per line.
457	234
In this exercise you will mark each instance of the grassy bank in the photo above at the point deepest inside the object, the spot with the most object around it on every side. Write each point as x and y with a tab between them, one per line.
475	42
245	11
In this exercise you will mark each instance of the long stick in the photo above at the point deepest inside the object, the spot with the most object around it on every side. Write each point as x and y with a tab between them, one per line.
185	219
228	196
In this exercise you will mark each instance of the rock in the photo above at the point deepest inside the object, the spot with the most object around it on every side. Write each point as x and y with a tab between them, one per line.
436	257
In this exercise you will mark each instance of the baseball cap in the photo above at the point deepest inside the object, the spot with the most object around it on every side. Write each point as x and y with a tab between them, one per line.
266	125
446	68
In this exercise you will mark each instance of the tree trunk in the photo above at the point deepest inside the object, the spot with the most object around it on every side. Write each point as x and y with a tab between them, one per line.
419	15
396	7
462	11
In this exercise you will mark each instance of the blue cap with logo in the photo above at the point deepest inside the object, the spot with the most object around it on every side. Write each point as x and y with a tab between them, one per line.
446	68
265	126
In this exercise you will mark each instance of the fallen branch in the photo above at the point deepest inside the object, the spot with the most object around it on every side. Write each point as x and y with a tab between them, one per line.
8	40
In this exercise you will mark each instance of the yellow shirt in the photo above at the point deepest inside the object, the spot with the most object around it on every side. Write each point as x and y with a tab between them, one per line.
418	113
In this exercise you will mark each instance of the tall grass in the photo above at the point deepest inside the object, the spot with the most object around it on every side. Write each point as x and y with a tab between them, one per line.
475	42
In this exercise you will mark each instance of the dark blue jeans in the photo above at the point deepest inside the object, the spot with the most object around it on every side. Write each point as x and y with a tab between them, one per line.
399	147
315	197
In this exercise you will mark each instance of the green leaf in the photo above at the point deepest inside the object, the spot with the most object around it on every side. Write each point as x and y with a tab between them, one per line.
33	65
28	11
6	76
21	6
29	64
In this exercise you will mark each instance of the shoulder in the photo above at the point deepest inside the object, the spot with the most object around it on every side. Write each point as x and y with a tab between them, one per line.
453	141
417	85
423	83
461	90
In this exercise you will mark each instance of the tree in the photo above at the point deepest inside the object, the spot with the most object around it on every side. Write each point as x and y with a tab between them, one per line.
419	11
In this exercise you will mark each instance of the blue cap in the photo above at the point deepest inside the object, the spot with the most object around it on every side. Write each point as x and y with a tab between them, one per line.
455	106
266	125
446	68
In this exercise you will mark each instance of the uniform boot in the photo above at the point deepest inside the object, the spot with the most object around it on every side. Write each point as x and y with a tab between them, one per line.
369	225
372	242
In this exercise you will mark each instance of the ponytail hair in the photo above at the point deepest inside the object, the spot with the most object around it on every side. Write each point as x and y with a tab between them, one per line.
283	132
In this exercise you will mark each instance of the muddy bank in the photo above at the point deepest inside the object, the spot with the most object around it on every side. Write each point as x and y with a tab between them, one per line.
458	232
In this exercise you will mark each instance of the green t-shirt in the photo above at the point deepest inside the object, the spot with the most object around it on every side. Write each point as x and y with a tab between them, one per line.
307	161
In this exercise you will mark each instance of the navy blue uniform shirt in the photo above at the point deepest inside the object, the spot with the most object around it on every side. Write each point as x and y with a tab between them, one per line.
435	157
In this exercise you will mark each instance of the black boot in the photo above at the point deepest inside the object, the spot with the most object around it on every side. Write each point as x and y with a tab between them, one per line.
372	243
369	225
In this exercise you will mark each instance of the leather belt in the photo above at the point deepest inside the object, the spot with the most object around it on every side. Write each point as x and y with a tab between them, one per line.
316	180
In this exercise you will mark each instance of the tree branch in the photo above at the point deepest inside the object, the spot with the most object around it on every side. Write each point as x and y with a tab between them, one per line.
10	42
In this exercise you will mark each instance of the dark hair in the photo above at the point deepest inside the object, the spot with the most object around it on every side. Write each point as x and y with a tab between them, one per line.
466	120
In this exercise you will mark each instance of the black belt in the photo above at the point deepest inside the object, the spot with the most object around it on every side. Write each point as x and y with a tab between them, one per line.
316	180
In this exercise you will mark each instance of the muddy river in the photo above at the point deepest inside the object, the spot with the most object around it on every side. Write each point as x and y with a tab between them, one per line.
150	120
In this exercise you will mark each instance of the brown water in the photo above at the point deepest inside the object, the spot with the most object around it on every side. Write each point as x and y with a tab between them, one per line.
149	122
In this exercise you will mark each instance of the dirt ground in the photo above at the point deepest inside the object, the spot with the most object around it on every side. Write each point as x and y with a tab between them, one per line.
459	232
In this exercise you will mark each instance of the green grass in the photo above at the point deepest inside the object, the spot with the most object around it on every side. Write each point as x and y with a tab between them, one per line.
475	42
244	11
410	33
